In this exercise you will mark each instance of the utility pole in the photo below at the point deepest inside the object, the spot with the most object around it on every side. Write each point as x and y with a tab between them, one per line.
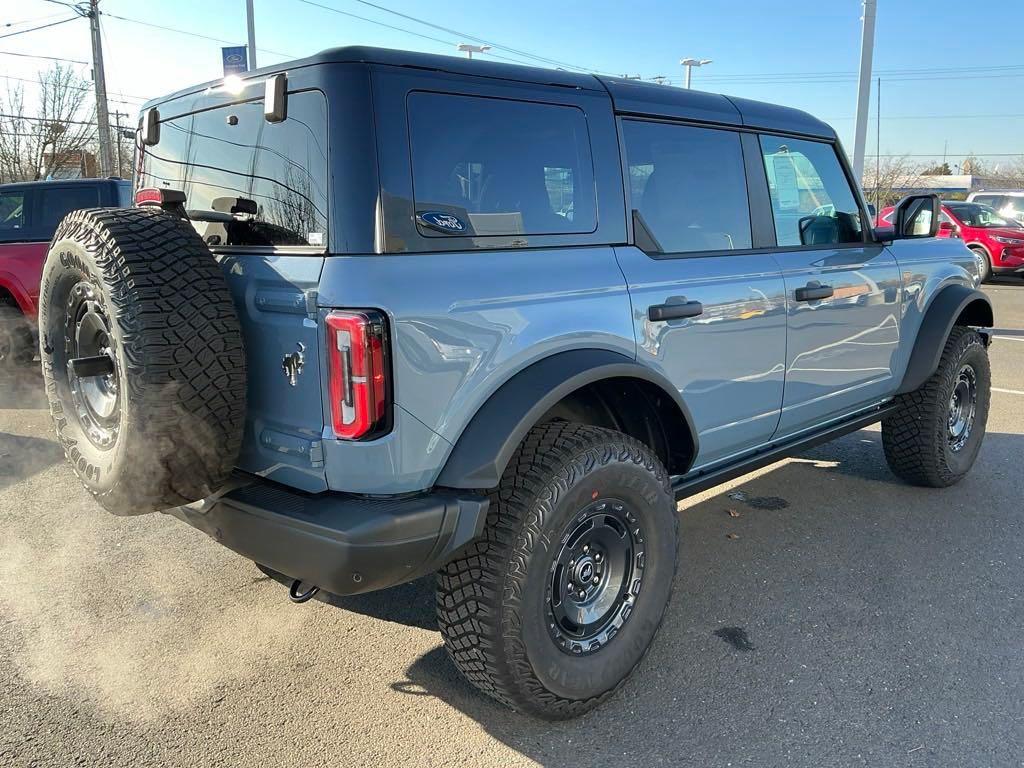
251	22
867	49
117	137
878	144
102	116
690	64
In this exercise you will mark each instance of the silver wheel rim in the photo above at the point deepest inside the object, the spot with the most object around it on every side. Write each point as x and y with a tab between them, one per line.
963	405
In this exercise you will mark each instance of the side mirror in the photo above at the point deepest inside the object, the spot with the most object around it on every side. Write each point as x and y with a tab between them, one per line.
916	216
275	99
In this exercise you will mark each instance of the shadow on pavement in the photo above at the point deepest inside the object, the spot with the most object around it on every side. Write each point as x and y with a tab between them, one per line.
22	456
867	610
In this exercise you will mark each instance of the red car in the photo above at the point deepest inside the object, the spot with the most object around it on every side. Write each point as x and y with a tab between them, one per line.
998	241
29	214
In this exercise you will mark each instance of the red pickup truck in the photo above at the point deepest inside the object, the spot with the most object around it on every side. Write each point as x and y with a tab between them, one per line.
29	214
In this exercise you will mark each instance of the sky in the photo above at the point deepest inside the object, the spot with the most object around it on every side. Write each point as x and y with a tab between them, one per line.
951	79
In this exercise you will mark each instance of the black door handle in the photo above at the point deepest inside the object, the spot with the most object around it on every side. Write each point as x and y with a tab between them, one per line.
813	292
675	311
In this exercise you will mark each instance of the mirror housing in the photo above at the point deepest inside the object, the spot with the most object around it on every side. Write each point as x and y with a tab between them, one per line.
913	212
149	127
275	99
945	226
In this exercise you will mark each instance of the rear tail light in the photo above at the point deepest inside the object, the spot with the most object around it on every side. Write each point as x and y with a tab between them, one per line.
357	373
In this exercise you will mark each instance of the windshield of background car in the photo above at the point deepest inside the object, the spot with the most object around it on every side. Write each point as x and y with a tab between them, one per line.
266	183
975	215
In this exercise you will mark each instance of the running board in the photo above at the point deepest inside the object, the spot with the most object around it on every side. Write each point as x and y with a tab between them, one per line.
689	486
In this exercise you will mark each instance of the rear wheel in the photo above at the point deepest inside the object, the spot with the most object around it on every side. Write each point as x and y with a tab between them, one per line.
558	602
934	437
142	358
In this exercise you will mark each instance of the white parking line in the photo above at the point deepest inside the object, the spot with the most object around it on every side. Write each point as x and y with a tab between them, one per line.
1010	338
1008	391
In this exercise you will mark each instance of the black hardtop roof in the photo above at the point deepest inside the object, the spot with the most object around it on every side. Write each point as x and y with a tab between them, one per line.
63	182
628	96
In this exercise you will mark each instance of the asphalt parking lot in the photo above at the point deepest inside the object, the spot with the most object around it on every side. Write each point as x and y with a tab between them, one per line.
851	621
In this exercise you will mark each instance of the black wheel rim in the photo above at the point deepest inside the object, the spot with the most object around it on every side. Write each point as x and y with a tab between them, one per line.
595	577
963	404
96	399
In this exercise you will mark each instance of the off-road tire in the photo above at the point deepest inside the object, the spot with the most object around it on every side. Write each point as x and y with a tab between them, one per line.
491	600
915	438
17	345
175	428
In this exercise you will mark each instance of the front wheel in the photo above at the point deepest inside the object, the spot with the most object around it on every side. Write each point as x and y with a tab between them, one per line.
984	264
561	598
936	432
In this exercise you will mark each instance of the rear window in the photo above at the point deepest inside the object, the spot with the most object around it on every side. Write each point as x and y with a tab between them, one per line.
54	203
247	181
485	166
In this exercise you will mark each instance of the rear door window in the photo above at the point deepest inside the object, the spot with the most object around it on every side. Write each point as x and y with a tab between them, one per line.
54	203
688	186
490	167
812	201
248	182
12	216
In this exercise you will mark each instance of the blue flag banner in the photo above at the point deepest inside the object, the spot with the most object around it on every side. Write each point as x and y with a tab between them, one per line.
236	62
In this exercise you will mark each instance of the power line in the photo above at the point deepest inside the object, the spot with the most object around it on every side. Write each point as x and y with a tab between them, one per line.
37	56
48	120
456	33
36	29
191	34
139	99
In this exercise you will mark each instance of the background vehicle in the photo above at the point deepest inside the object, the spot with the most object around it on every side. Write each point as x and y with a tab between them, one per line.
29	213
368	325
1009	203
998	241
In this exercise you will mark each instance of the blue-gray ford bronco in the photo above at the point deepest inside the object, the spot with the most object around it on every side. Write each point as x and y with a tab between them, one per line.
380	314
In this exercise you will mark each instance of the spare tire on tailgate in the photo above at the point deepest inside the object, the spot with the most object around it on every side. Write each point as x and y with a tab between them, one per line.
142	358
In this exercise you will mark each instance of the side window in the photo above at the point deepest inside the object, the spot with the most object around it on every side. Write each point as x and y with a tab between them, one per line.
996	201
498	167
247	181
12	215
688	185
54	203
811	197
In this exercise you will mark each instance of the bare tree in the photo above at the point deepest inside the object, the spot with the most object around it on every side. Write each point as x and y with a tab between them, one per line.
891	181
34	142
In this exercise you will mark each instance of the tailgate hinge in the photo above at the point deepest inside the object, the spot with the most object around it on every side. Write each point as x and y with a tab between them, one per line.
311	307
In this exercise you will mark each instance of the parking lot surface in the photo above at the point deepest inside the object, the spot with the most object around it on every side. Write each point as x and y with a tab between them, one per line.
848	620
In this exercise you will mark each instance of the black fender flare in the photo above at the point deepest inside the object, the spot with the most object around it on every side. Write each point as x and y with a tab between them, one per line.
951	303
486	445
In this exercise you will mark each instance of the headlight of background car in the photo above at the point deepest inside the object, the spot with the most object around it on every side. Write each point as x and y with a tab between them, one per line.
1008	240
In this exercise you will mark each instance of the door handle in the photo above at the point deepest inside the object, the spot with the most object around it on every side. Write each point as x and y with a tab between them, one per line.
675	311
814	292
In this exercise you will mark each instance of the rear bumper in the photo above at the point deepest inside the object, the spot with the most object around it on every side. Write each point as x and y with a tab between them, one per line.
341	543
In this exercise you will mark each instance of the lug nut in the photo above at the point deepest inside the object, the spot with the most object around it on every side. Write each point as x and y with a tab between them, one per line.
582	594
586	548
595	580
598	558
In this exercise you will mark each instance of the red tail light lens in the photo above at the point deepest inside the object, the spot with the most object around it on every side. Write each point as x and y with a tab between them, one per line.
358	373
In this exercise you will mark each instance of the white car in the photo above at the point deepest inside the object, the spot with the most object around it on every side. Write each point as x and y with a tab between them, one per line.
1008	202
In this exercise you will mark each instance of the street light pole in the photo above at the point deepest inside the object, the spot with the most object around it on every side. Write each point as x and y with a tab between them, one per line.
690	64
867	48
469	49
100	81
251	23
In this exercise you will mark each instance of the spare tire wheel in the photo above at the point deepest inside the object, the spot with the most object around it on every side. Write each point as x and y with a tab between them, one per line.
142	358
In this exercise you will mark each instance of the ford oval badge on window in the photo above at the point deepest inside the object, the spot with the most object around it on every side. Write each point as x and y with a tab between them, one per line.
443	222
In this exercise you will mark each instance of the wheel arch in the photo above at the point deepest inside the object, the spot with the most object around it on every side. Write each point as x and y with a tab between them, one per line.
953	305
591	386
